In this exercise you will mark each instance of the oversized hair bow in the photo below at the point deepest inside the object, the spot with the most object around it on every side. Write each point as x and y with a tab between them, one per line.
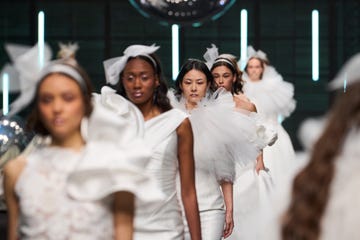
25	66
114	66
211	55
251	53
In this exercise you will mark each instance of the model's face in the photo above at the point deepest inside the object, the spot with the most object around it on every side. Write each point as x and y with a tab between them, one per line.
194	86
223	77
254	69
61	105
140	81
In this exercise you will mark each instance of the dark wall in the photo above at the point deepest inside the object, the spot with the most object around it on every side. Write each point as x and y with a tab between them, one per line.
282	29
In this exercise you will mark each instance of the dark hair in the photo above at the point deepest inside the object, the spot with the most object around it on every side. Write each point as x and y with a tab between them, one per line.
160	95
195	64
238	84
311	187
34	122
263	63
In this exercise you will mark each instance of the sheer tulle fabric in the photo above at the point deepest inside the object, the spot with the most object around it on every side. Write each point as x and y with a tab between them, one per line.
223	136
271	95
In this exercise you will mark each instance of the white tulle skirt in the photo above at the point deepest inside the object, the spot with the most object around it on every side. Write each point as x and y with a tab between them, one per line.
251	195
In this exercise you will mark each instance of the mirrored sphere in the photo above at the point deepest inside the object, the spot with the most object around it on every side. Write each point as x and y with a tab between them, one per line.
182	12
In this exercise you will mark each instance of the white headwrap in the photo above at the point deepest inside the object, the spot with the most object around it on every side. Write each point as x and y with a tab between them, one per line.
349	72
212	56
114	66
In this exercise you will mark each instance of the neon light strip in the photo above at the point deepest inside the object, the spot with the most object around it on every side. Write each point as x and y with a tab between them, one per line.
243	36
41	37
5	87
175	50
315	45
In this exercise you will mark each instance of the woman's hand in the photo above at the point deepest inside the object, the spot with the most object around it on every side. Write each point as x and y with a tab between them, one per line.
229	224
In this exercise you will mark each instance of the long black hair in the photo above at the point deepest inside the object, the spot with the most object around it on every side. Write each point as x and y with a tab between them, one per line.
195	64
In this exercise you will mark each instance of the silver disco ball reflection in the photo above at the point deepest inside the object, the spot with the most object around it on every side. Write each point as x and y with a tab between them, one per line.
13	137
182	12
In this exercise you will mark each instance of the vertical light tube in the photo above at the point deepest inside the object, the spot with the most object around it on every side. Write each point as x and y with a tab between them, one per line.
345	82
41	37
5	87
315	45
175	50
243	37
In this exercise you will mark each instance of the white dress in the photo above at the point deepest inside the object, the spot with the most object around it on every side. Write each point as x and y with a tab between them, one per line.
65	194
273	98
162	220
223	139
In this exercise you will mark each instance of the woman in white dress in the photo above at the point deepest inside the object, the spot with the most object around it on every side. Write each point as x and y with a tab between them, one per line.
168	133
323	194
66	187
216	126
273	98
253	183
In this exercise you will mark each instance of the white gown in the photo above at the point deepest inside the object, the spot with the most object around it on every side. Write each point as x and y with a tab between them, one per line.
223	139
273	98
65	194
163	220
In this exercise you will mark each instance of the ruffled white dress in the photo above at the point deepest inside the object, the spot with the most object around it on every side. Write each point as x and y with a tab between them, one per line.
273	98
162	220
65	194
341	218
223	139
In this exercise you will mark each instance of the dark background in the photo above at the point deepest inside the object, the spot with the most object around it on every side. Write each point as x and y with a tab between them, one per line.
282	29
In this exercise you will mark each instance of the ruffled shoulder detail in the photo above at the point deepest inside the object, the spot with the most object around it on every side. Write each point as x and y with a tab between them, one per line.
271	95
108	168
115	155
114	118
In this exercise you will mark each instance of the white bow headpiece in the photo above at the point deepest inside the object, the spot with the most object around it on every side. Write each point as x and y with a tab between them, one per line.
67	50
348	74
114	66
251	53
26	68
210	55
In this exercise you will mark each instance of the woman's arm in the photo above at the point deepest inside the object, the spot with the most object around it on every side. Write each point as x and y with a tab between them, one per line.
12	171
187	178
227	189
242	102
124	208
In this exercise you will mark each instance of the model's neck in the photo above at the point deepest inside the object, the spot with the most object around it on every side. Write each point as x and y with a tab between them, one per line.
74	141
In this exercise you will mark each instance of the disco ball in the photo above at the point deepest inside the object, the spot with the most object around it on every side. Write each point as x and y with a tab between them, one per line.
182	12
13	137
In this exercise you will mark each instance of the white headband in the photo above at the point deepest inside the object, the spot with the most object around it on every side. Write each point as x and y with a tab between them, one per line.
225	58
114	66
59	67
348	74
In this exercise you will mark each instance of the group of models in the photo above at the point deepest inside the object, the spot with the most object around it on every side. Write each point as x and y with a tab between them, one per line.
141	161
